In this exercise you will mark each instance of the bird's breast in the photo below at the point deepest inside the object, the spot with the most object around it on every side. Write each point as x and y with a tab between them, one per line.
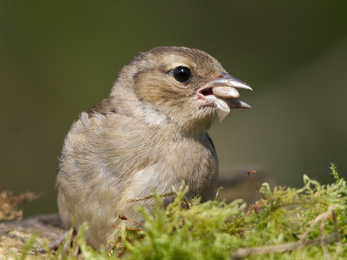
177	160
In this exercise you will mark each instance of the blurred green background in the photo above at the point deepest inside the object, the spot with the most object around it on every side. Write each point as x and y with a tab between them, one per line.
59	58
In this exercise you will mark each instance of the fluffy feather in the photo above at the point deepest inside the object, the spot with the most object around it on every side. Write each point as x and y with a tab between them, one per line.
151	132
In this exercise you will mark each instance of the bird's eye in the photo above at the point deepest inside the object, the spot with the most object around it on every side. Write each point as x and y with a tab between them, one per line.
182	74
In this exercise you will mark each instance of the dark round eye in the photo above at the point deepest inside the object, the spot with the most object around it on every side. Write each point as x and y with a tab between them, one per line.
182	74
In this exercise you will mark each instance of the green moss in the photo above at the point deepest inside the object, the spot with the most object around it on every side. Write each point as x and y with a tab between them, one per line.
312	219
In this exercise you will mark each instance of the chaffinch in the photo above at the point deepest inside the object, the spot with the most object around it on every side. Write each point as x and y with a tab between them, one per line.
150	133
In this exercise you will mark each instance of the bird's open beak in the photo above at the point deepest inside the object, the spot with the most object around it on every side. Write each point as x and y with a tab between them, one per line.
221	93
224	88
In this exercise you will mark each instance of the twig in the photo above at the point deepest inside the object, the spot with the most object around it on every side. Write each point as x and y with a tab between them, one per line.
322	242
151	196
330	211
122	217
126	228
254	172
242	252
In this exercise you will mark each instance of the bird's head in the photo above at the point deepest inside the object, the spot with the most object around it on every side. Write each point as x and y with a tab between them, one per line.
187	87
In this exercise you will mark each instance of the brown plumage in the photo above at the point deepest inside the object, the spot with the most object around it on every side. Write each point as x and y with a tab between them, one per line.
151	132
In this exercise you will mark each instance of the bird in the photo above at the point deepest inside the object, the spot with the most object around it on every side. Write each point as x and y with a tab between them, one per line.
149	134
